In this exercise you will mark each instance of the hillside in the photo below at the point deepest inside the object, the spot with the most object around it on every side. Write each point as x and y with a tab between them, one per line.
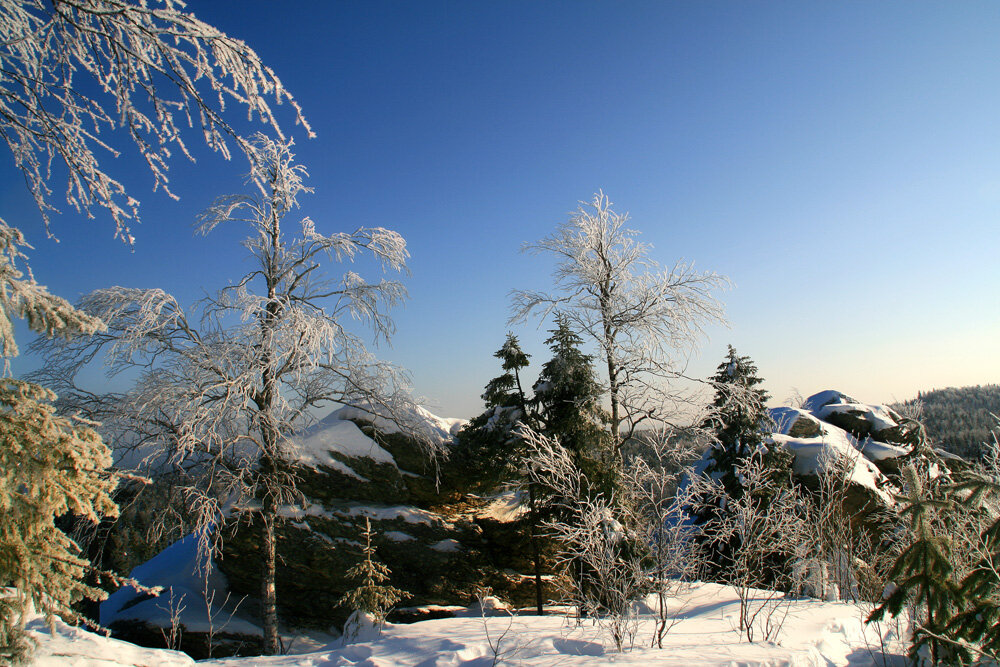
959	418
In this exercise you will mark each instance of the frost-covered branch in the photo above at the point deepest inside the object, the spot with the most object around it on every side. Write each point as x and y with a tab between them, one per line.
641	317
223	387
154	69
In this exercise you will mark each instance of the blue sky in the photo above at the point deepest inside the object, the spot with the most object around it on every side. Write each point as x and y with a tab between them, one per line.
838	161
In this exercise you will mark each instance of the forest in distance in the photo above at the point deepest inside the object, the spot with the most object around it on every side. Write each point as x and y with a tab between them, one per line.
962	419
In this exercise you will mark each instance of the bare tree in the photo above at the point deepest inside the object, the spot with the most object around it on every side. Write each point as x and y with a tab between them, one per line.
767	535
222	388
652	481
638	314
601	554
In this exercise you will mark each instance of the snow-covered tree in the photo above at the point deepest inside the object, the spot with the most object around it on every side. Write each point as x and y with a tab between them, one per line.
71	72
739	425
75	77
599	552
639	315
372	595
739	419
760	529
49	466
223	386
567	401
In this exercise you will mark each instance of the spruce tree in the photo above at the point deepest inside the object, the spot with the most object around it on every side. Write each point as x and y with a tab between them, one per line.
922	574
490	451
979	621
49	466
567	401
372	595
486	453
739	424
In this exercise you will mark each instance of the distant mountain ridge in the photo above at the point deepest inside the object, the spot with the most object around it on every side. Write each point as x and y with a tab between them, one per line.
959	419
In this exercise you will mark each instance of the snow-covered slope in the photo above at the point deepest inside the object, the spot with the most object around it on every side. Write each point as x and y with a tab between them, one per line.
337	436
815	634
177	571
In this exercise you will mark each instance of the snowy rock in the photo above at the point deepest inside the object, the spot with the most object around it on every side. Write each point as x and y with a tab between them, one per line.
361	467
179	571
361	627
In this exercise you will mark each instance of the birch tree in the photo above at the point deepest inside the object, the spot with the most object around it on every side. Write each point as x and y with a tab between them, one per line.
222	386
638	314
72	72
77	78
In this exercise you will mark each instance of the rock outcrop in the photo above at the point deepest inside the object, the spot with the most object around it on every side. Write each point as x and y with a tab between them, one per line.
442	546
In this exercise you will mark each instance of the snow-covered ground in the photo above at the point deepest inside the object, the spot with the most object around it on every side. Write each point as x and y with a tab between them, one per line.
820	634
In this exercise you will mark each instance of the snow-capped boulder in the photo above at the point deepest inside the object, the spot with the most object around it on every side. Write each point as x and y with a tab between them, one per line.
354	467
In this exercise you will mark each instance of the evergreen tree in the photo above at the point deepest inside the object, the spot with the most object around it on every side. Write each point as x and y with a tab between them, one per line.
567	401
372	595
490	450
486	453
740	424
979	591
922	574
49	466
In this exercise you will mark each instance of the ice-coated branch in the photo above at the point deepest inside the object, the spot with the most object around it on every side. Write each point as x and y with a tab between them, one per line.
642	318
156	69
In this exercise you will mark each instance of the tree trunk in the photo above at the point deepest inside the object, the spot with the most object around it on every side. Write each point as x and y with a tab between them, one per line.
536	556
268	594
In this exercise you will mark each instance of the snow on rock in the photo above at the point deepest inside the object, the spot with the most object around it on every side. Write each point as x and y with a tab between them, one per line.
440	430
67	646
834	428
880	451
178	570
361	627
335	434
505	507
828	405
391	512
795	422
398	536
447	546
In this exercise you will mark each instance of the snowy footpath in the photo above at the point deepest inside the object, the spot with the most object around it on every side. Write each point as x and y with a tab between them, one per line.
814	634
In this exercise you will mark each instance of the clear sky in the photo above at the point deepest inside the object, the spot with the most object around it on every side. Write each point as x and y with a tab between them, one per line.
839	161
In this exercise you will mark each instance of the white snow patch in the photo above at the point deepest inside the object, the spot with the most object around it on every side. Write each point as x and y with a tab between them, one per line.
818	454
398	536
505	507
177	569
392	512
447	546
313	445
419	421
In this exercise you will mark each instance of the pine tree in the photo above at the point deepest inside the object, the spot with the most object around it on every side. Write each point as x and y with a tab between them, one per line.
739	423
490	450
922	574
49	466
372	596
486	453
